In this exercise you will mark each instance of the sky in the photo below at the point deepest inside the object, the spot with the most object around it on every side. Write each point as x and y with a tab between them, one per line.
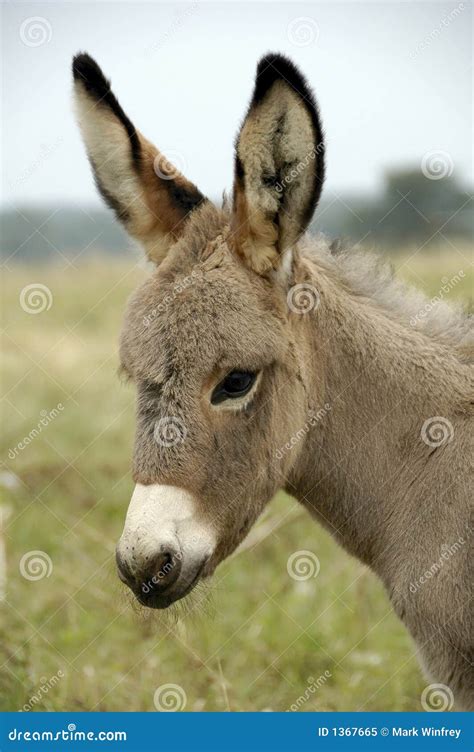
393	82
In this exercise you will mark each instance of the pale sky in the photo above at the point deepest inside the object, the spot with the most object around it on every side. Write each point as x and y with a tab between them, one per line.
393	81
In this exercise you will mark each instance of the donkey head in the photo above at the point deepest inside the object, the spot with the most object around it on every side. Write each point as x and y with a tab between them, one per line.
208	339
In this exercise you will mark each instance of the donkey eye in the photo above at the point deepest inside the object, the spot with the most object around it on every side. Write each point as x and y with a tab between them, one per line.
236	384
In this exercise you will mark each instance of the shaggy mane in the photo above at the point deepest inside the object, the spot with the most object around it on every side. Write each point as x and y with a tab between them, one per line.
374	277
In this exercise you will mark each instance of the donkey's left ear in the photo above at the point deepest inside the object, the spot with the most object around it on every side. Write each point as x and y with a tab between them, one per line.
279	165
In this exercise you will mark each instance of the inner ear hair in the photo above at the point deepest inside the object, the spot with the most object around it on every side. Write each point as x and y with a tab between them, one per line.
149	196
279	164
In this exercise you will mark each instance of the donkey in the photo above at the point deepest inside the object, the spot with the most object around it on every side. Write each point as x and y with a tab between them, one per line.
242	332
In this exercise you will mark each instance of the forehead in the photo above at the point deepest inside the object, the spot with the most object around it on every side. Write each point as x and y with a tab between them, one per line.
201	312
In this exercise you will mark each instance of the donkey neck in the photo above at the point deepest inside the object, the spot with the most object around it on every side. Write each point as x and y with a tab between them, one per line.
380	381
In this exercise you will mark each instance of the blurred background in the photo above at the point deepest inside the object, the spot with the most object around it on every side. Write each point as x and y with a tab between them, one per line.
393	82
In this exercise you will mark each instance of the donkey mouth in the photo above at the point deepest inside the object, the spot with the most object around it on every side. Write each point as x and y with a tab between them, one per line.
165	598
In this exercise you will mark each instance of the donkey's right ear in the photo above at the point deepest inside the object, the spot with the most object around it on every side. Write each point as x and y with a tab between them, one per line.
150	197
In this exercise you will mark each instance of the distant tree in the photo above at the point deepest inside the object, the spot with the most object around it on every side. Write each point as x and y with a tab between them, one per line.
413	208
417	207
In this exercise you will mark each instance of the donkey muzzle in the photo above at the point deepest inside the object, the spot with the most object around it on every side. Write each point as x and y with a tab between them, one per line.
164	548
160	575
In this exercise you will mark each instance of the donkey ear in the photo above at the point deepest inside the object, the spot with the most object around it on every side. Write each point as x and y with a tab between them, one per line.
279	165
150	197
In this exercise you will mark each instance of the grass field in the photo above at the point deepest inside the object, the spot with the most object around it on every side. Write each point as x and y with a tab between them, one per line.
71	639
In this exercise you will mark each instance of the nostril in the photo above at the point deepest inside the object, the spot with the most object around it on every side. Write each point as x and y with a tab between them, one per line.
163	572
163	565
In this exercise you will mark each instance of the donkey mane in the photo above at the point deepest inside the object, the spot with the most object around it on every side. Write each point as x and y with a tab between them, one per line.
372	277
367	275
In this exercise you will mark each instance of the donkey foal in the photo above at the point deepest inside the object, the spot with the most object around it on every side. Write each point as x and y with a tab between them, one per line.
242	333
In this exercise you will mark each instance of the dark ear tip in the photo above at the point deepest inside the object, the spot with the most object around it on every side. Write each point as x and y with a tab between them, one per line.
274	67
276	61
86	71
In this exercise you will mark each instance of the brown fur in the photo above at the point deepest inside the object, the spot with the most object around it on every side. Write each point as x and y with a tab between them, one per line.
166	217
148	194
254	237
363	470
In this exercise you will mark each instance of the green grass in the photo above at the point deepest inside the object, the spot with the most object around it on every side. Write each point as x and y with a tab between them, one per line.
252	641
